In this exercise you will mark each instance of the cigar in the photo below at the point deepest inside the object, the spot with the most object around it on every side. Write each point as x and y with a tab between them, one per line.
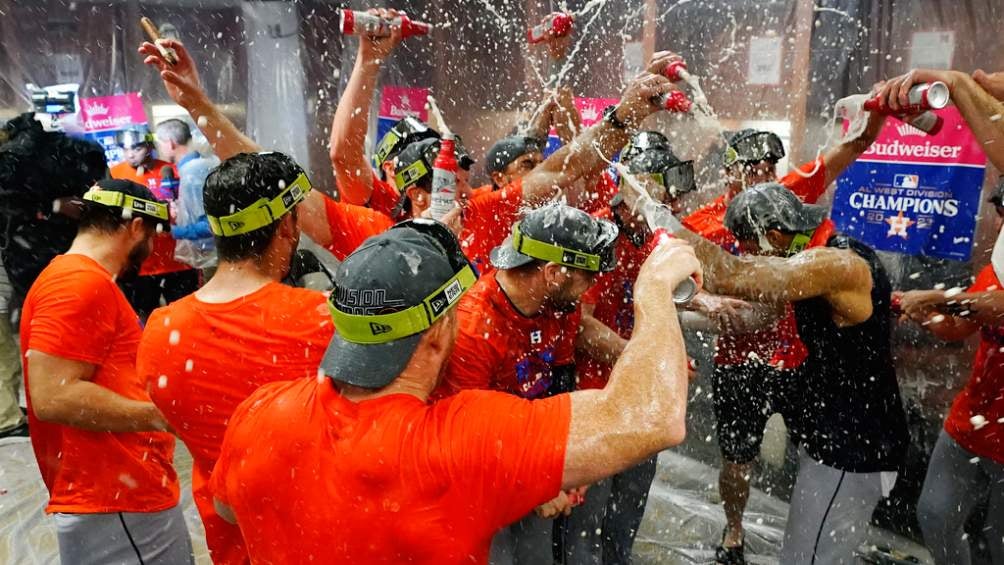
154	35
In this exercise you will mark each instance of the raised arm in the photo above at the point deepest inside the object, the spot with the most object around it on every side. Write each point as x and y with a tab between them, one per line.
588	153
981	109
183	86
348	128
837	159
642	410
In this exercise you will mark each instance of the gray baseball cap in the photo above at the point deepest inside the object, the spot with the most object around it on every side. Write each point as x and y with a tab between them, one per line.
560	234
766	206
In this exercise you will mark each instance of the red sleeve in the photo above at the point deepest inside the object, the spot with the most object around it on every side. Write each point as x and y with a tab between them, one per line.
488	219
605	189
351	225
986	280
510	451
808	189
474	357
75	318
384	198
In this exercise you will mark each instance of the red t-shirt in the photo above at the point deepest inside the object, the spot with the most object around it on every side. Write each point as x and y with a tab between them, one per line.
983	394
485	189
351	226
780	346
488	220
161	260
75	311
612	298
200	360
498	348
313	477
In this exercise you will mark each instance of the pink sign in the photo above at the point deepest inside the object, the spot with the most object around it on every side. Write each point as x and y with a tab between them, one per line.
399	101
112	112
902	143
591	109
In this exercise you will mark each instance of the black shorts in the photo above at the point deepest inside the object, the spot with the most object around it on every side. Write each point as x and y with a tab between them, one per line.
745	397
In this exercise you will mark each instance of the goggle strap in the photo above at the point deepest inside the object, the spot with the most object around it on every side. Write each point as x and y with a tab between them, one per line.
554	253
155	210
263	212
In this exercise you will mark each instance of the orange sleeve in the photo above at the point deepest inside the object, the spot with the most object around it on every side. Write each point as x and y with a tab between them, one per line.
510	451
488	220
986	280
76	318
474	359
351	225
384	198
808	189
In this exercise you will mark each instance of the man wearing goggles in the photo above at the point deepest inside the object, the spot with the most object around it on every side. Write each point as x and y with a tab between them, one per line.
614	508
207	352
413	175
90	417
358	465
751	157
519	328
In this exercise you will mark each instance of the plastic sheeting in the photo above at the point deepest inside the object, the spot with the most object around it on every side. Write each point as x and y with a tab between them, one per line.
681	522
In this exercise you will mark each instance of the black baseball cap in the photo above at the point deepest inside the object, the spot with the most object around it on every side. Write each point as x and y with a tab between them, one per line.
414	162
387	293
508	149
752	146
768	206
131	197
560	234
642	142
408	129
133	136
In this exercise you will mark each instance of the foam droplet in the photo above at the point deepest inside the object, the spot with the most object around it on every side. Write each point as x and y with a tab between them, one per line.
174	337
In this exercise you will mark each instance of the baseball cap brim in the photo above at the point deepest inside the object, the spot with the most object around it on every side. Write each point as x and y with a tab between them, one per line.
368	365
505	256
812	215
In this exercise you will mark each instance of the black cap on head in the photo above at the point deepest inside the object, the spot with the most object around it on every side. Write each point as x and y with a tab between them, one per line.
766	206
644	141
569	236
751	146
133	136
414	163
408	129
508	149
401	268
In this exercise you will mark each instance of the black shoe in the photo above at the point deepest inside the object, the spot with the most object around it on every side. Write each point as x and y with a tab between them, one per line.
730	555
16	431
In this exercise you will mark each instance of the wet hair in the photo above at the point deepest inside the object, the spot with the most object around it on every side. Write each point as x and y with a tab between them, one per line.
175	130
239	182
109	219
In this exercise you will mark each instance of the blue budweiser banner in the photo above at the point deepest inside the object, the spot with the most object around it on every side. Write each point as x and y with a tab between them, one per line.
915	194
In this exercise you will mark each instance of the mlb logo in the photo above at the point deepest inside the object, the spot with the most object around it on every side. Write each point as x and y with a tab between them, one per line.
906	181
536	337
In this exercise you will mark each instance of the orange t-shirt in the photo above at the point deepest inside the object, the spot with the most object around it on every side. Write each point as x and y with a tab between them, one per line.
498	348
485	189
314	477
982	394
161	261
351	226
75	311
488	220
219	354
780	346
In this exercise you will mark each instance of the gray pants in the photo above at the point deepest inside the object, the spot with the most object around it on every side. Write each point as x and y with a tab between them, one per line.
10	362
124	538
584	532
602	530
953	487
829	513
527	542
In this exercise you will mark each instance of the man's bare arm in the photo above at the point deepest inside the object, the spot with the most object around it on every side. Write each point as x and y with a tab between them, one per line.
981	110
642	410
837	159
981	308
62	393
351	121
